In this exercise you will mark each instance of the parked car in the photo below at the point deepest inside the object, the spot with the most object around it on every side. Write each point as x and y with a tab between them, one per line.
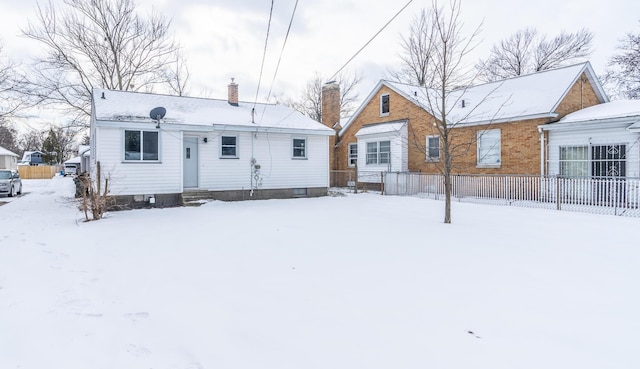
70	169
10	182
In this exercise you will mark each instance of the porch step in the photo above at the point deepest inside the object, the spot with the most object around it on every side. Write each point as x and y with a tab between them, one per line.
195	198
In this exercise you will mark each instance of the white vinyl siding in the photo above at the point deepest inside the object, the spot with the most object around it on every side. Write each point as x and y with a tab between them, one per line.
139	177
273	153
588	139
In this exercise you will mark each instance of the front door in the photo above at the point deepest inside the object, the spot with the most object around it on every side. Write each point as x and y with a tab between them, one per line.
190	162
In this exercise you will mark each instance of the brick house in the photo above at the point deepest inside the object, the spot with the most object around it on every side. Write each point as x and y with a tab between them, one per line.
496	124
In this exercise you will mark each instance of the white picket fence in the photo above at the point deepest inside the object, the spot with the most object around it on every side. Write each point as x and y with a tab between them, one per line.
602	195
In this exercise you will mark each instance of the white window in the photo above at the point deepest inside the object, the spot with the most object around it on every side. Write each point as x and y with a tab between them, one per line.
384	104
299	148
574	161
141	145
433	148
489	148
379	152
229	146
353	154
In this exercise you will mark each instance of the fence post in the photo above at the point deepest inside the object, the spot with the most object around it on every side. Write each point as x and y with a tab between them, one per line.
382	182
558	188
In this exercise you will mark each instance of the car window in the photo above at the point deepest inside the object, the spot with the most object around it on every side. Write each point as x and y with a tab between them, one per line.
5	174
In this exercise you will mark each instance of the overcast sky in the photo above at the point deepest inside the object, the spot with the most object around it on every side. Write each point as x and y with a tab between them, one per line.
225	38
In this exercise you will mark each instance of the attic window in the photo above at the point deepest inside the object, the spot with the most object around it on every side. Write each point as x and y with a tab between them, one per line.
384	105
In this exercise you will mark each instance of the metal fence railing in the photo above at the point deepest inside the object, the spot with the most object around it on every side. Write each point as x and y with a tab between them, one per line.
602	195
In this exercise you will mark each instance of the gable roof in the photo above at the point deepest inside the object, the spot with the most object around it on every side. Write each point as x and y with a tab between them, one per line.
6	152
535	95
125	106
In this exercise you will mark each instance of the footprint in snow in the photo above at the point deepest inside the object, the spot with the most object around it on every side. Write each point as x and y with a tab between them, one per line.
137	350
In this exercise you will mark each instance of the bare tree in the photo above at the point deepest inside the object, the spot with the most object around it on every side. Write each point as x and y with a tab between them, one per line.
9	137
100	43
416	53
439	33
526	51
310	101
624	67
58	144
32	140
11	85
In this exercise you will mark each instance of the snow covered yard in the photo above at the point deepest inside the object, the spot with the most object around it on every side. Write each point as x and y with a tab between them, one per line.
362	281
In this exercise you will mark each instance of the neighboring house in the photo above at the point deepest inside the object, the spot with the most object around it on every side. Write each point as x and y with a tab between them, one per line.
599	141
394	129
228	149
32	157
8	159
84	153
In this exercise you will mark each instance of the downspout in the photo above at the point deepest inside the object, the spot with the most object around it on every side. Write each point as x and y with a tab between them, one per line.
541	151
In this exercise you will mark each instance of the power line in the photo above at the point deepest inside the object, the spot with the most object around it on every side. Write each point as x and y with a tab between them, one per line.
264	54
282	51
372	38
280	58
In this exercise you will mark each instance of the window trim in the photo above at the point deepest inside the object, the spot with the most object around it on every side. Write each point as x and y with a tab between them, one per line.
382	105
479	135
428	157
142	159
236	146
305	148
350	157
378	153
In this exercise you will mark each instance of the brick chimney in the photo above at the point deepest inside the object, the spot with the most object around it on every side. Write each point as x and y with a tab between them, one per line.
233	93
331	119
331	104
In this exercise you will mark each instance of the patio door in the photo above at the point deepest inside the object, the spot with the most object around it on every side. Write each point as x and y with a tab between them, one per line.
190	162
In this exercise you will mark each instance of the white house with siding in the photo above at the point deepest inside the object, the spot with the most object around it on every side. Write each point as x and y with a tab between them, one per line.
220	149
382	148
8	159
598	141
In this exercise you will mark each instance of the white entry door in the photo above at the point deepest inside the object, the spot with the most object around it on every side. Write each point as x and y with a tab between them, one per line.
190	162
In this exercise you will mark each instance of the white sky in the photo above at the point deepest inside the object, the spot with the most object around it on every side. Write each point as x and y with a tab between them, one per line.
224	39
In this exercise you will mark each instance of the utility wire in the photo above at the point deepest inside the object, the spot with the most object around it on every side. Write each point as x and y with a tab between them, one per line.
280	58
372	38
264	55
282	51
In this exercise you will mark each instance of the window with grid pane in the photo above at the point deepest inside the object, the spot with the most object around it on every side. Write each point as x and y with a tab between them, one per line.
229	146
433	148
574	161
353	154
300	148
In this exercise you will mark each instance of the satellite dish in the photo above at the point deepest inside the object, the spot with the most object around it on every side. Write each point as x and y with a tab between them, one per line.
158	113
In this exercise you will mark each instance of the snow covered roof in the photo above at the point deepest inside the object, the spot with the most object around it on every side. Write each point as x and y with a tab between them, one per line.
530	96
611	110
124	106
391	127
618	111
75	160
6	152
